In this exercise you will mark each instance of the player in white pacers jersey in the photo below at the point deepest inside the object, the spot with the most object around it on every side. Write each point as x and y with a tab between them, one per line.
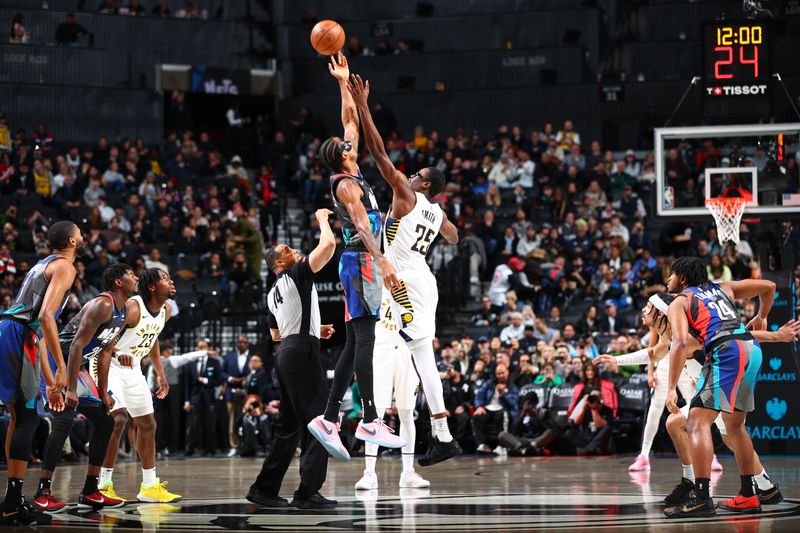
411	226
147	313
393	370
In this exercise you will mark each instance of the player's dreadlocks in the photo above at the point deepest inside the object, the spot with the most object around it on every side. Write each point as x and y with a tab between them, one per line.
692	270
330	154
149	277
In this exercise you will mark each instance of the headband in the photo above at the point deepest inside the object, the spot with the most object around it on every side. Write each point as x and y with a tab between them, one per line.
658	303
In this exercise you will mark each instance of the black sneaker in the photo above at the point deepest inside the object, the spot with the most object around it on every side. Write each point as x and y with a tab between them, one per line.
258	497
23	514
440	451
693	508
771	496
681	493
315	501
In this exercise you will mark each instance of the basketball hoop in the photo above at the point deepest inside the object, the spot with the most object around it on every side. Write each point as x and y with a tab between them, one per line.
728	216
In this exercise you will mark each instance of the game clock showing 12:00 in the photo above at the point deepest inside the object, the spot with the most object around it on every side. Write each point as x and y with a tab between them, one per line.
736	58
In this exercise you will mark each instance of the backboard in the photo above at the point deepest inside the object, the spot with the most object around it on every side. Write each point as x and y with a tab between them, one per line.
693	164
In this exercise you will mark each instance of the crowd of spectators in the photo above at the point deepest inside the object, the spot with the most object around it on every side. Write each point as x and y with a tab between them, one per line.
556	238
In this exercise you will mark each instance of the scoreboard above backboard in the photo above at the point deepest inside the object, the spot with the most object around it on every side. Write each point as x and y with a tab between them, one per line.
736	58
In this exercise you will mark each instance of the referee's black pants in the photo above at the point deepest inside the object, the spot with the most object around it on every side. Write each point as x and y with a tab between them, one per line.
304	395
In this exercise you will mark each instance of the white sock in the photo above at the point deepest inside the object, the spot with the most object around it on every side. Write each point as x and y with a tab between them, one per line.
441	429
408	462
105	476
762	481
149	477
688	472
408	432
370	456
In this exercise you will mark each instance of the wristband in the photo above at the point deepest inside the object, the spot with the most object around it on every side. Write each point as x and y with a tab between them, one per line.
639	357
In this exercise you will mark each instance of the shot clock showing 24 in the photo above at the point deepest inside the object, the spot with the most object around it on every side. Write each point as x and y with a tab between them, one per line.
736	58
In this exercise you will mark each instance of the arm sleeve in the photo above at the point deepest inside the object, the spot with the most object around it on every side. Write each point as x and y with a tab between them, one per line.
177	361
273	322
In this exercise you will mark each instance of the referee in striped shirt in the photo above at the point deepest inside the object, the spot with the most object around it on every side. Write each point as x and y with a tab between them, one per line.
295	321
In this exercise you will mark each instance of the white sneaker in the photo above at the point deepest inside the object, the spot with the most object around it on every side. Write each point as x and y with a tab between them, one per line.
500	451
412	480
369	481
232	452
483	448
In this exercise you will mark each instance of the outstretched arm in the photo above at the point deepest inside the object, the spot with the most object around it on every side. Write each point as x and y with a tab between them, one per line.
397	180
320	256
340	70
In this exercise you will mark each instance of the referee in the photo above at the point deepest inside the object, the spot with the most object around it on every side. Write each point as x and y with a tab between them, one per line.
295	321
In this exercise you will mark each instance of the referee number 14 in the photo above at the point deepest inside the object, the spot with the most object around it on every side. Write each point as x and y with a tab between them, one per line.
276	297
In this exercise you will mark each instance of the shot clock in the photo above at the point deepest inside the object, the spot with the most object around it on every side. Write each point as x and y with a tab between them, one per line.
736	58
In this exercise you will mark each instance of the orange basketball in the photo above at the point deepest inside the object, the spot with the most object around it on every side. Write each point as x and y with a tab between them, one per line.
327	37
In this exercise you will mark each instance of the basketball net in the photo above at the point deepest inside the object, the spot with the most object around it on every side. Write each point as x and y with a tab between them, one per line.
728	216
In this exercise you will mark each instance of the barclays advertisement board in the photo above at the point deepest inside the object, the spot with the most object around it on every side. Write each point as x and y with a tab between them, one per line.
774	426
781	359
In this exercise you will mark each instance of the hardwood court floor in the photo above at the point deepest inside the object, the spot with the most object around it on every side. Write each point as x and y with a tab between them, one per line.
467	494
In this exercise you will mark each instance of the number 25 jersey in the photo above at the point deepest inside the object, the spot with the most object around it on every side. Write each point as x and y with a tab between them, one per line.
139	339
408	239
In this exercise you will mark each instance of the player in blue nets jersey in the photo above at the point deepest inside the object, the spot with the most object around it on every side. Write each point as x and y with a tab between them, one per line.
362	271
37	306
706	311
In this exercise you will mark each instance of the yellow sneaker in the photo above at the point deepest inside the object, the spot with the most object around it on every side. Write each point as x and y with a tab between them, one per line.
108	490
157	493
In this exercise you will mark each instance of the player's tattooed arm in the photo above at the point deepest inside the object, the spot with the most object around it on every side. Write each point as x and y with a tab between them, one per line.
340	70
99	311
397	180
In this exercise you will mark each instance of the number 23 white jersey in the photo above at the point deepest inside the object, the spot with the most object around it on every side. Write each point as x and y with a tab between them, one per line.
408	239
138	340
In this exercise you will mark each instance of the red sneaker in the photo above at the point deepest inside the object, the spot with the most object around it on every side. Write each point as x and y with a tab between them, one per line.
97	501
741	504
48	504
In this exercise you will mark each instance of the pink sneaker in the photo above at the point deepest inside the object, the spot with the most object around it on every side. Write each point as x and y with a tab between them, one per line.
715	466
377	432
641	464
328	435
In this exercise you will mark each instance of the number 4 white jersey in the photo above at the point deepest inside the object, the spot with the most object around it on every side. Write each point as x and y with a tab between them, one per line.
408	239
138	340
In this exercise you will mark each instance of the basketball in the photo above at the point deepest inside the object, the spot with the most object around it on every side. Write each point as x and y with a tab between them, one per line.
327	37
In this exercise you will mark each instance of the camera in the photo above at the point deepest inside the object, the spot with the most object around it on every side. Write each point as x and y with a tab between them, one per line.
594	398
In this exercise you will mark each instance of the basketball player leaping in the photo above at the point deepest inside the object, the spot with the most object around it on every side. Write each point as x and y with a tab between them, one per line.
654	316
146	315
728	380
411	225
361	267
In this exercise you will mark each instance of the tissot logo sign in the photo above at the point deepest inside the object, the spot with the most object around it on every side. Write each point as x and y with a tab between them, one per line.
736	90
